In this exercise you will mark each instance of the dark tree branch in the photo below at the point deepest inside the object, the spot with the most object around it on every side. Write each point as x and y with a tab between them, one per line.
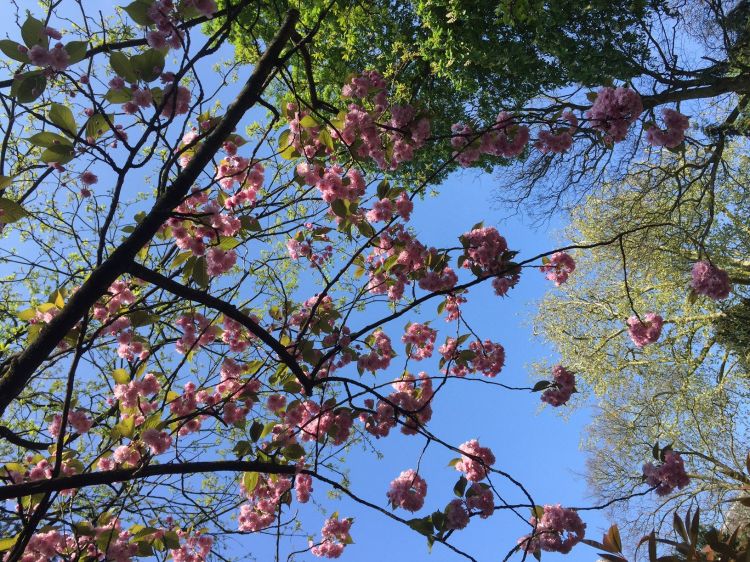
227	309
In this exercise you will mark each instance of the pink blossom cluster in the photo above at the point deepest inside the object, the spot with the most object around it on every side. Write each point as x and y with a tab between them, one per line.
305	139
558	142
324	317
197	331
194	548
710	280
614	110
410	263
452	307
165	17
479	500
646	332
55	59
140	98
235	335
380	355
413	397
125	456
475	460
302	245
77	419
42	547
407	491
559	267
674	133
131	346
264	501
316	423
456	515
205	224
486	357
420	341
120	296
157	441
489	357
667	476
485	249
563	388
175	101
303	487
404	132
335	536
130	394
333	182
558	530
504	138
435	281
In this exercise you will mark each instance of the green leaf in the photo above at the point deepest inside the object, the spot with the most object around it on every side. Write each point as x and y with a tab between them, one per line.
460	486
28	86
11	211
138	12
121	376
5	181
10	49
366	229
122	66
148	65
339	208
309	121
60	154
48	140
289	152
76	51
293	452
422	526
200	272
96	126
33	33
171	539
284	139
125	428
229	243
62	116
7	544
250	481
122	95
325	137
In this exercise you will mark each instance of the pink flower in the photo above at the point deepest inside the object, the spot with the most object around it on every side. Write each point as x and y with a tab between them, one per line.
303	487
408	491
558	530
420	341
456	515
481	498
157	441
89	178
711	281
614	110
644	333
668	476
475	461
674	134
559	267
563	389
336	536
